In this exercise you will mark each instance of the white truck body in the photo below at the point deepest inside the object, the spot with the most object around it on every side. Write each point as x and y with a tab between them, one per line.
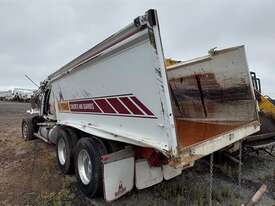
120	93
121	90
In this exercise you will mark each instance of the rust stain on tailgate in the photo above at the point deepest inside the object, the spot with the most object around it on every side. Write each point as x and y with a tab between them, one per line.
204	108
202	96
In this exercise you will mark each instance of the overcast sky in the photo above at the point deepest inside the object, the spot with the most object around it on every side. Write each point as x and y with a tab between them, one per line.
38	37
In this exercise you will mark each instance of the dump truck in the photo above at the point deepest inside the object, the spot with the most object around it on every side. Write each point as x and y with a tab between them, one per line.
119	118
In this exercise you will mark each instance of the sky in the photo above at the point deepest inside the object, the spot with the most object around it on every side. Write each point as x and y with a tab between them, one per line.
37	37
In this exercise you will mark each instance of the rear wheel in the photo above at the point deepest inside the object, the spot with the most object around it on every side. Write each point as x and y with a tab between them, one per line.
28	129
73	136
88	166
64	150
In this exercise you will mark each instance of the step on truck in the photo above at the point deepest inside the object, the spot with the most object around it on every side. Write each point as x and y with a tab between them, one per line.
120	118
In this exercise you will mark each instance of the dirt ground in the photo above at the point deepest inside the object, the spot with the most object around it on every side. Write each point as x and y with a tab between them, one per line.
29	175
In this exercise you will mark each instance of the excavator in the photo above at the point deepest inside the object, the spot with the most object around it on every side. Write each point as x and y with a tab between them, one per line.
264	140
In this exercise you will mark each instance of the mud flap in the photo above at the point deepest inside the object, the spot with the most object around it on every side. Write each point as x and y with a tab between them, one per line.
147	176
171	172
118	173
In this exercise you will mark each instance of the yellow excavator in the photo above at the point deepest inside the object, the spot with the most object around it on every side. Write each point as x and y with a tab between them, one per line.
264	139
170	62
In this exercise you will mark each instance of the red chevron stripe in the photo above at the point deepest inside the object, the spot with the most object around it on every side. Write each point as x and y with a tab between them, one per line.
141	105
131	106
119	107
104	106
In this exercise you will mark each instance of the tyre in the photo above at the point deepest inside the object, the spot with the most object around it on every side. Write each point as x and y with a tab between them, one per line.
73	136
64	150
88	166
27	129
99	144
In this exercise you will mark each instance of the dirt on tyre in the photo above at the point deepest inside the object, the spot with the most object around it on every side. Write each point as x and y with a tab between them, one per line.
64	150
27	129
88	166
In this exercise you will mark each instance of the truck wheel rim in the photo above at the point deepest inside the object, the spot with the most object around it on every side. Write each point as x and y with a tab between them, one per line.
25	130
84	166
62	151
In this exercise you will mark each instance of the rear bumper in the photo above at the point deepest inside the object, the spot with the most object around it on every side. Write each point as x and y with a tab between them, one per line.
195	152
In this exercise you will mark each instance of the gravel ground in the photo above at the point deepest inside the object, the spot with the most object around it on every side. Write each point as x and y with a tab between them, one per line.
29	175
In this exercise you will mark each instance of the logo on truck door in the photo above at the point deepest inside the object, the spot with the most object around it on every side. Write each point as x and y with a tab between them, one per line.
119	105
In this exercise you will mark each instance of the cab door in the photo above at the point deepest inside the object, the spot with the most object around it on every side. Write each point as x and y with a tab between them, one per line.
48	106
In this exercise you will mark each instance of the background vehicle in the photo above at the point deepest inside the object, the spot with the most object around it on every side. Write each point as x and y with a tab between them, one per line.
17	94
21	94
119	118
4	95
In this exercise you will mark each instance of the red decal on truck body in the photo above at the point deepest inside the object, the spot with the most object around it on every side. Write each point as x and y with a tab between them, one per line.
126	105
141	105
131	105
104	105
84	106
118	106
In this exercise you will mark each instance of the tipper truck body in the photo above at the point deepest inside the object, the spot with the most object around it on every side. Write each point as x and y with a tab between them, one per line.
120	118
